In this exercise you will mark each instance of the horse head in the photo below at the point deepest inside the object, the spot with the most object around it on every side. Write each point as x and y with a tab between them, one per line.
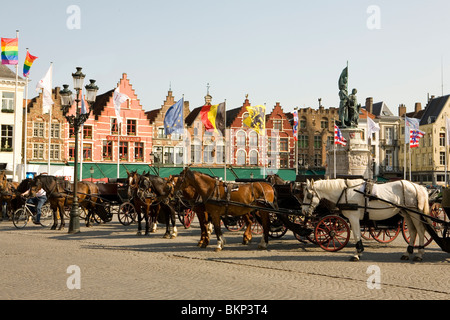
132	181
311	198
3	181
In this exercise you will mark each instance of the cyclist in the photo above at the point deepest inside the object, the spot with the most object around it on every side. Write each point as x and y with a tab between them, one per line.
38	201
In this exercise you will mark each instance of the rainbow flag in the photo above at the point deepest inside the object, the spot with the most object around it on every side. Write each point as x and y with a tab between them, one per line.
10	51
27	65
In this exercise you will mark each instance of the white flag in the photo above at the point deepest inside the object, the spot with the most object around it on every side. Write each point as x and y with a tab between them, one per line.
83	106
371	127
119	98
410	124
46	84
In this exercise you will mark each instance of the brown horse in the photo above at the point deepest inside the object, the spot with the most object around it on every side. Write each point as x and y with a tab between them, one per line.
7	194
220	200
59	196
190	195
151	194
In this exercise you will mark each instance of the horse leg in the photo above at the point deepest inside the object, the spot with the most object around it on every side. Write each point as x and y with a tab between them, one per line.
204	224
154	217
55	218
61	216
174	231
139	214
356	229
413	234
266	225
218	231
248	231
148	220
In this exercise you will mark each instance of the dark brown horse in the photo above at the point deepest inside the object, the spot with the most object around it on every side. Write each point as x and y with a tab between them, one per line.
220	200
151	195
59	195
190	195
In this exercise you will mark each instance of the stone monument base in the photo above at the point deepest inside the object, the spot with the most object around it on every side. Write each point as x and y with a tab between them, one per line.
354	159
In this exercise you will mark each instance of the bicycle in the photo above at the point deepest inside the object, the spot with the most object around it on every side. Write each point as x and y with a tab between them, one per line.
25	214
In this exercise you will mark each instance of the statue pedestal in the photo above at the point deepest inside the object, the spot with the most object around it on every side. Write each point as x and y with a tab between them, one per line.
354	159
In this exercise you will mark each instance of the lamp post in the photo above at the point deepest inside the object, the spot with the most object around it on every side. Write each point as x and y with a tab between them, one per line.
76	121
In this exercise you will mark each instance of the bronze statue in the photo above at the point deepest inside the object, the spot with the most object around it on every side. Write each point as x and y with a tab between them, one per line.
348	107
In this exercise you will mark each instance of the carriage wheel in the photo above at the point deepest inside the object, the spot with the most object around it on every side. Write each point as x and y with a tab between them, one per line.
232	223
277	228
332	233
385	235
307	223
365	233
186	217
256	226
126	213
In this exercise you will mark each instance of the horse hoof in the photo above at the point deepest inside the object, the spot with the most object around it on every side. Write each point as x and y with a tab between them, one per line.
139	233
404	258
173	236
217	249
166	236
418	259
354	258
204	245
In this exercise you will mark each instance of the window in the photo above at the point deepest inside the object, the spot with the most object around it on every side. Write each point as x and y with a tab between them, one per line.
284	161
253	139
87	152
273	146
131	127
240	137
123	151
317	142
7	138
72	152
278	125
38	151
220	154
302	123
107	150
244	116
55	151
442	158
139	151
303	159
157	154
38	129
87	132
318	159
442	139
8	102
71	131
303	141
324	124
196	152
179	155
208	153
253	158
114	126
240	158
168	155
284	144
56	131
161	133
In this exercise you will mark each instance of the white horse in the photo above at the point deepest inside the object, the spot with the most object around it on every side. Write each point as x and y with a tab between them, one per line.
402	193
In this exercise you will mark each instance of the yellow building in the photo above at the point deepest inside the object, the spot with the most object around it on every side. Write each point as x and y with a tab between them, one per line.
428	161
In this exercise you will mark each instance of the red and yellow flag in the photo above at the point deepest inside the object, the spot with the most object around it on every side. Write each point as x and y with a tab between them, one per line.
213	117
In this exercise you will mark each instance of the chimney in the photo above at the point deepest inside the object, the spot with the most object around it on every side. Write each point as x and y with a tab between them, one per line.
418	107
369	105
401	110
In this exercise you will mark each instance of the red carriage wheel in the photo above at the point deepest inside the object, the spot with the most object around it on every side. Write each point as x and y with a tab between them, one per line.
385	235
365	233
188	217
256	226
332	233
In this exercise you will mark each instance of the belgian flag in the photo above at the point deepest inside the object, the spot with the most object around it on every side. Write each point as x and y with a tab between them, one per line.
213	117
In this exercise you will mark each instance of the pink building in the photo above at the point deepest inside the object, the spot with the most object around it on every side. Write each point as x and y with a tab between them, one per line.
101	136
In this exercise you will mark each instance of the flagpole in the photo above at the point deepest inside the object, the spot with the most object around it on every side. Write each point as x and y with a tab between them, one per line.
334	151
49	132
404	155
26	126
225	146
119	125
296	145
410	179
446	150
15	115
82	151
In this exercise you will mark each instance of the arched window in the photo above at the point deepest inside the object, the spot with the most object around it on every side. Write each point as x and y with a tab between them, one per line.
253	139
240	139
240	161
253	158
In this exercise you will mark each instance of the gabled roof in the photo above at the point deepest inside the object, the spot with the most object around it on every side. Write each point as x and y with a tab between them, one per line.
434	109
101	101
231	115
7	73
381	109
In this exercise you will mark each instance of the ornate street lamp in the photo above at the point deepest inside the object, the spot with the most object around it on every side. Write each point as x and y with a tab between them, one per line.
76	121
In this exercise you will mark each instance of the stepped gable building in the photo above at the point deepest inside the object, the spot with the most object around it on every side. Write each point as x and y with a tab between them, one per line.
281	143
104	140
168	150
38	129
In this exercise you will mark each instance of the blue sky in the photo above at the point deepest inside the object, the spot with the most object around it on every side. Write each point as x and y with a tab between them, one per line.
287	51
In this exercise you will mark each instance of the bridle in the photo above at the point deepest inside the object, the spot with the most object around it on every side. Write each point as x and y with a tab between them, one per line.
310	194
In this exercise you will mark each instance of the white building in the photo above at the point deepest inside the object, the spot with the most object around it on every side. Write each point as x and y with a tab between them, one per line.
11	118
